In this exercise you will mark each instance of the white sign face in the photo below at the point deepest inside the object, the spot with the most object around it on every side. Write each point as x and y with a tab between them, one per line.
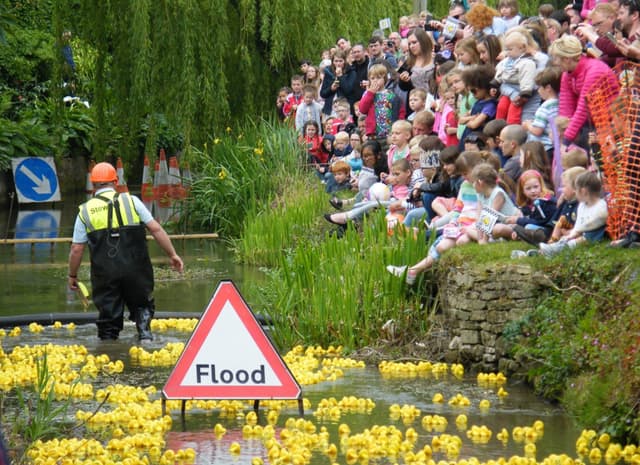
212	366
384	23
229	356
36	179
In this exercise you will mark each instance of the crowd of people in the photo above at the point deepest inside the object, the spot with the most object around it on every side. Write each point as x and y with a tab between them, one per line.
475	126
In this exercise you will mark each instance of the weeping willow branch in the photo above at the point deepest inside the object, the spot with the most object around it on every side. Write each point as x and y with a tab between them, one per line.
204	65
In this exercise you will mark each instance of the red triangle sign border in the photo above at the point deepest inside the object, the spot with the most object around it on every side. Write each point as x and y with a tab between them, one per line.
227	293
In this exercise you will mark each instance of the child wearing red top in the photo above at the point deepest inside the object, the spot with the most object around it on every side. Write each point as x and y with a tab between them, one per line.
312	141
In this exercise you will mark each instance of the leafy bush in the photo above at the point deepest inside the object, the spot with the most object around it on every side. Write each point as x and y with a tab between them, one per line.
27	57
22	140
72	126
582	340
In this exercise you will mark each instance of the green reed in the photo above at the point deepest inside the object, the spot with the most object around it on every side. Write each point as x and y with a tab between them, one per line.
329	290
239	172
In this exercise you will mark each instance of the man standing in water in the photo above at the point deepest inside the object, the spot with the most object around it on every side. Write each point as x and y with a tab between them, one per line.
113	225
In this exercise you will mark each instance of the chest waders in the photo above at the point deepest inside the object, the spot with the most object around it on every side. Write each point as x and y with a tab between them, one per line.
121	271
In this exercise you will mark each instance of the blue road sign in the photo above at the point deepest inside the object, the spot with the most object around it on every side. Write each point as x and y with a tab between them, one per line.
36	179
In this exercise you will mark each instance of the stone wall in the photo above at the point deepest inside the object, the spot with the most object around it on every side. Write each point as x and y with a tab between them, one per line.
478	300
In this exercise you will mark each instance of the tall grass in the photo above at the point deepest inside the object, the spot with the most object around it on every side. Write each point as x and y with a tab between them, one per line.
322	289
239	173
252	188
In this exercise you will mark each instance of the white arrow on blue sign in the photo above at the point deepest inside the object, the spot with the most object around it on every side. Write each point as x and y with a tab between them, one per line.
36	179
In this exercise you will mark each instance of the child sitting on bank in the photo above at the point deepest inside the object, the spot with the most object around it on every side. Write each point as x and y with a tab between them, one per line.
312	142
343	117
463	218
399	180
449	121
401	132
591	216
355	157
341	146
431	172
478	80
340	177
293	100
381	106
326	154
537	206
439	197
565	217
371	154
495	203
576	156
308	109
428	152
548	82
565	156
418	101
280	101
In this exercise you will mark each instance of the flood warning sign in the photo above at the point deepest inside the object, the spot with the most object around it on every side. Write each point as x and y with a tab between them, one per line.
229	356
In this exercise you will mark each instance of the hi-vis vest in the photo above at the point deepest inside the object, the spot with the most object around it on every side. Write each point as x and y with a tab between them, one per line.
94	213
116	240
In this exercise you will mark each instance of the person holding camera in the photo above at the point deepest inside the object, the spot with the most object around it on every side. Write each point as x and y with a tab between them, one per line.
377	53
338	81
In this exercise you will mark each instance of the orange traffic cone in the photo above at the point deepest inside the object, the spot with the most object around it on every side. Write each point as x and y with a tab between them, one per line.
146	191
176	191
122	183
89	185
163	181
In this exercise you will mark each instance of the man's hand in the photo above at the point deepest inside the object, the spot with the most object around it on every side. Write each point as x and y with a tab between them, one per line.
628	50
176	263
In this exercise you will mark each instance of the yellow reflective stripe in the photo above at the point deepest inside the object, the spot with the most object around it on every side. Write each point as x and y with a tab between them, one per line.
94	212
127	204
85	218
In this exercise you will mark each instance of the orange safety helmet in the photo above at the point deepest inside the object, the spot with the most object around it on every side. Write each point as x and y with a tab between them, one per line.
104	173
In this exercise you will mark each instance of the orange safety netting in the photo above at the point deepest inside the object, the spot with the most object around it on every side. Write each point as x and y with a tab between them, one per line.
615	111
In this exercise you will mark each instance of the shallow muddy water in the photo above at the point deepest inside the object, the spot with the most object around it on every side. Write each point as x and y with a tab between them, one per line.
33	276
519	408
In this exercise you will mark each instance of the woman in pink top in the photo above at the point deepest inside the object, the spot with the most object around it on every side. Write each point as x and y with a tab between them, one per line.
579	73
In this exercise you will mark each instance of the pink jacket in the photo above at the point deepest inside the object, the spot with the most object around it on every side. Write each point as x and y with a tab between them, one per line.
587	6
574	87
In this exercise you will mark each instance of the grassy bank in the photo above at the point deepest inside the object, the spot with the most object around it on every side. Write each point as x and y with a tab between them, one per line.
580	345
327	290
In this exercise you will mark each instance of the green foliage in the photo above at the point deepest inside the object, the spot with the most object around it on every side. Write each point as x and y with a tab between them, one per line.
157	133
203	65
582	340
27	57
239	172
325	290
71	126
7	21
41	417
22	140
